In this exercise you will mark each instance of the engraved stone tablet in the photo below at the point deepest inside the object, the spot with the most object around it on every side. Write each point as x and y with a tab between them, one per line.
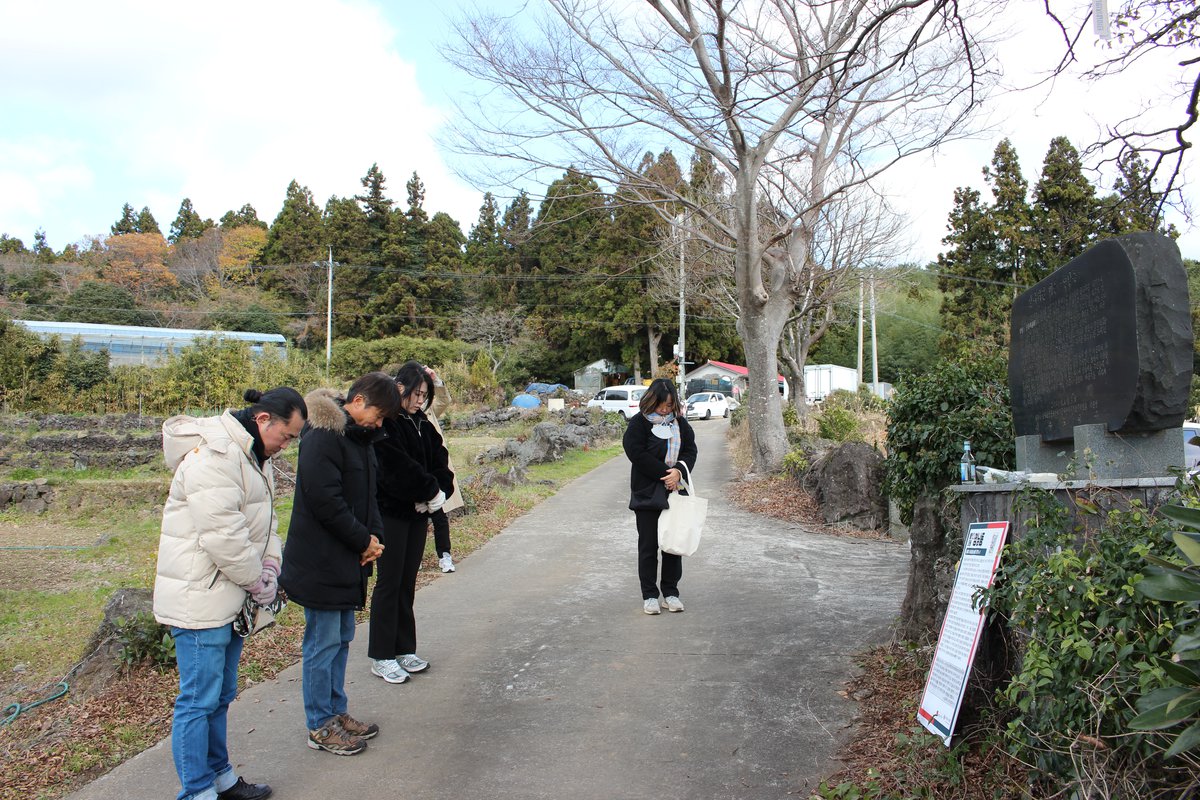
1107	339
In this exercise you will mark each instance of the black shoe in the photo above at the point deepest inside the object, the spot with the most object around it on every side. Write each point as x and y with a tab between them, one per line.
245	791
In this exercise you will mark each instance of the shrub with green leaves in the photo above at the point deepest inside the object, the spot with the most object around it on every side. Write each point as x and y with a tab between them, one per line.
144	641
795	463
1175	708
1091	645
838	424
929	417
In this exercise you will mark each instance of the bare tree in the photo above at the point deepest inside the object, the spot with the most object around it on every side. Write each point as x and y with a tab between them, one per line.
793	101
1142	29
857	234
496	330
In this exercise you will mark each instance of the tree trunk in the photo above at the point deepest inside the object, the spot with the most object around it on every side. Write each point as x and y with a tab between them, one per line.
654	338
760	341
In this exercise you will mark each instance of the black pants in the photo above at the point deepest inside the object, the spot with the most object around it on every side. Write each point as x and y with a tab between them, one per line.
672	565
441	531
393	625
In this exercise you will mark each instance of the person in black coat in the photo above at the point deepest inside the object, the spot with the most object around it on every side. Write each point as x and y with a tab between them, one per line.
414	481
333	538
657	440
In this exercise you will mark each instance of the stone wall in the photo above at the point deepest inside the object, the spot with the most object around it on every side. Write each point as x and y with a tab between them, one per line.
34	496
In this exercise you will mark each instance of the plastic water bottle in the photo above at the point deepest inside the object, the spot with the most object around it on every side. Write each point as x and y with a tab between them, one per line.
966	467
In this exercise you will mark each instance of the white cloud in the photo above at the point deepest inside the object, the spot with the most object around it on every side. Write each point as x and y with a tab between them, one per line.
225	103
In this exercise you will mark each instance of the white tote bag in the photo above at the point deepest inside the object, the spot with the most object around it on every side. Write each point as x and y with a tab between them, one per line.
680	525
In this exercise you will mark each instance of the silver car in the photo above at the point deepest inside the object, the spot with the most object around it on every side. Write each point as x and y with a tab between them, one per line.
623	400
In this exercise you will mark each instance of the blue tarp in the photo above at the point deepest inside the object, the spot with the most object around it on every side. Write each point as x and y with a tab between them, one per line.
526	401
545	388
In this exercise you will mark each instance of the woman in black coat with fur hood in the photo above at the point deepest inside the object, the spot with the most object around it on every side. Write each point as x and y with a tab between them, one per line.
657	441
414	481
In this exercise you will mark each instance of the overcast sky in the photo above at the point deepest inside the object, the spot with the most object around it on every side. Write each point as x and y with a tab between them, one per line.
225	103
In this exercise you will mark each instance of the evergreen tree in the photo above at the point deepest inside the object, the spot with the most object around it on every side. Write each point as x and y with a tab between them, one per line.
188	224
127	223
568	307
1010	212
146	223
975	306
295	241
348	231
377	206
105	303
246	215
43	253
485	257
10	245
422	298
1065	211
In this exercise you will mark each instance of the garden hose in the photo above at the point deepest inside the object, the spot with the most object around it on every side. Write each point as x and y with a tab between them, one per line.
17	709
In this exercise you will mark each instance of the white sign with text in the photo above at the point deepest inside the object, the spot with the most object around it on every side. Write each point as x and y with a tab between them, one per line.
959	638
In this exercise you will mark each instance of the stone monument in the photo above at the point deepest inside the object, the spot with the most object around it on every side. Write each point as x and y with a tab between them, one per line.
1100	364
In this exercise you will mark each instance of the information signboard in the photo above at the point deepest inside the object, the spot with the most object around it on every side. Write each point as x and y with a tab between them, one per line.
959	638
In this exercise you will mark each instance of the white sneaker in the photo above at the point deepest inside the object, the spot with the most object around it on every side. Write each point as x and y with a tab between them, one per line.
412	663
651	606
446	563
673	603
389	669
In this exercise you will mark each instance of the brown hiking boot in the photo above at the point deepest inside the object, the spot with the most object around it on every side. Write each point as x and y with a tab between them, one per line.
363	730
332	737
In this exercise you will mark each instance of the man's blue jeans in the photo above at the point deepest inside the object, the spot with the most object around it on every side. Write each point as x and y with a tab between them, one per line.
325	650
208	671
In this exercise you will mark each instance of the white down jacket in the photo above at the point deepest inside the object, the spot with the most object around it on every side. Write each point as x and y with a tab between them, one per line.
218	522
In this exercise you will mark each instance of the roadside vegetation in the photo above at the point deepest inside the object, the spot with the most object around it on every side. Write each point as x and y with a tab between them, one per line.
58	569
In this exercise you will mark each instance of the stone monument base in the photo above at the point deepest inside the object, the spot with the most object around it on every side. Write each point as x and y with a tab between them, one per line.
1104	456
1034	455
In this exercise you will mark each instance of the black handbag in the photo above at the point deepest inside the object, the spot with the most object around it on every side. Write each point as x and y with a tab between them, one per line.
649	498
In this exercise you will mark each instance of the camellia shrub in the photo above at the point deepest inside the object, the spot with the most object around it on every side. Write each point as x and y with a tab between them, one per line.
931	415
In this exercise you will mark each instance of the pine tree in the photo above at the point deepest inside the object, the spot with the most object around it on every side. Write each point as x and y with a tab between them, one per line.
188	224
43	253
246	215
1065	211
295	241
377	206
348	232
485	257
146	223
1010	212
975	308
127	223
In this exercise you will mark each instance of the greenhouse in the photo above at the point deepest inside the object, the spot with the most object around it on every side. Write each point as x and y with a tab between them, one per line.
132	344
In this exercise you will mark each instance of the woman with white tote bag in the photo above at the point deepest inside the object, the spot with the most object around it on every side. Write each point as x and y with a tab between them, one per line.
657	441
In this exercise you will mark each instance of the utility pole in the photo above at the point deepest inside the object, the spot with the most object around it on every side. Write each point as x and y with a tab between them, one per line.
682	313
874	345
328	310
860	330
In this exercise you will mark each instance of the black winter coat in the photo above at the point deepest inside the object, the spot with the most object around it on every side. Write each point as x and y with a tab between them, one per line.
413	465
334	511
647	452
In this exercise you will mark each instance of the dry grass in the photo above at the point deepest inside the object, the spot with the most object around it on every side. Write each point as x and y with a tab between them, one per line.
59	746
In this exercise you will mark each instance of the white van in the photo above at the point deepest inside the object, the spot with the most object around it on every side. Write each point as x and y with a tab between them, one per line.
623	400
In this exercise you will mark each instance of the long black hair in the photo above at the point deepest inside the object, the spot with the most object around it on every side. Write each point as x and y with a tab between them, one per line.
411	376
280	402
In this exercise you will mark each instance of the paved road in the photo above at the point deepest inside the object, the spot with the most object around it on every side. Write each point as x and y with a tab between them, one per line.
548	681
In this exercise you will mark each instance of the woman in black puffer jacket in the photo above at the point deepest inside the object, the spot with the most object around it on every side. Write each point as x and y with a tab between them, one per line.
411	460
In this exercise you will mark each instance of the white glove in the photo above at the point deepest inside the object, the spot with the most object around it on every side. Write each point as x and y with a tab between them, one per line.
437	502
422	508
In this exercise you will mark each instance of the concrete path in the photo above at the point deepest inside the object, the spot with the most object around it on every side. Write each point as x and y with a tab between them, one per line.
548	681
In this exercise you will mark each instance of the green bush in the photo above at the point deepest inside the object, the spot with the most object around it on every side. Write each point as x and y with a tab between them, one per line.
1091	643
354	357
838	424
929	417
795	463
143	640
791	417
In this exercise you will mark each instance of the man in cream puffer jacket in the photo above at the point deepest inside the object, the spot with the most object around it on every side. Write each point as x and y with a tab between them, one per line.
218	543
